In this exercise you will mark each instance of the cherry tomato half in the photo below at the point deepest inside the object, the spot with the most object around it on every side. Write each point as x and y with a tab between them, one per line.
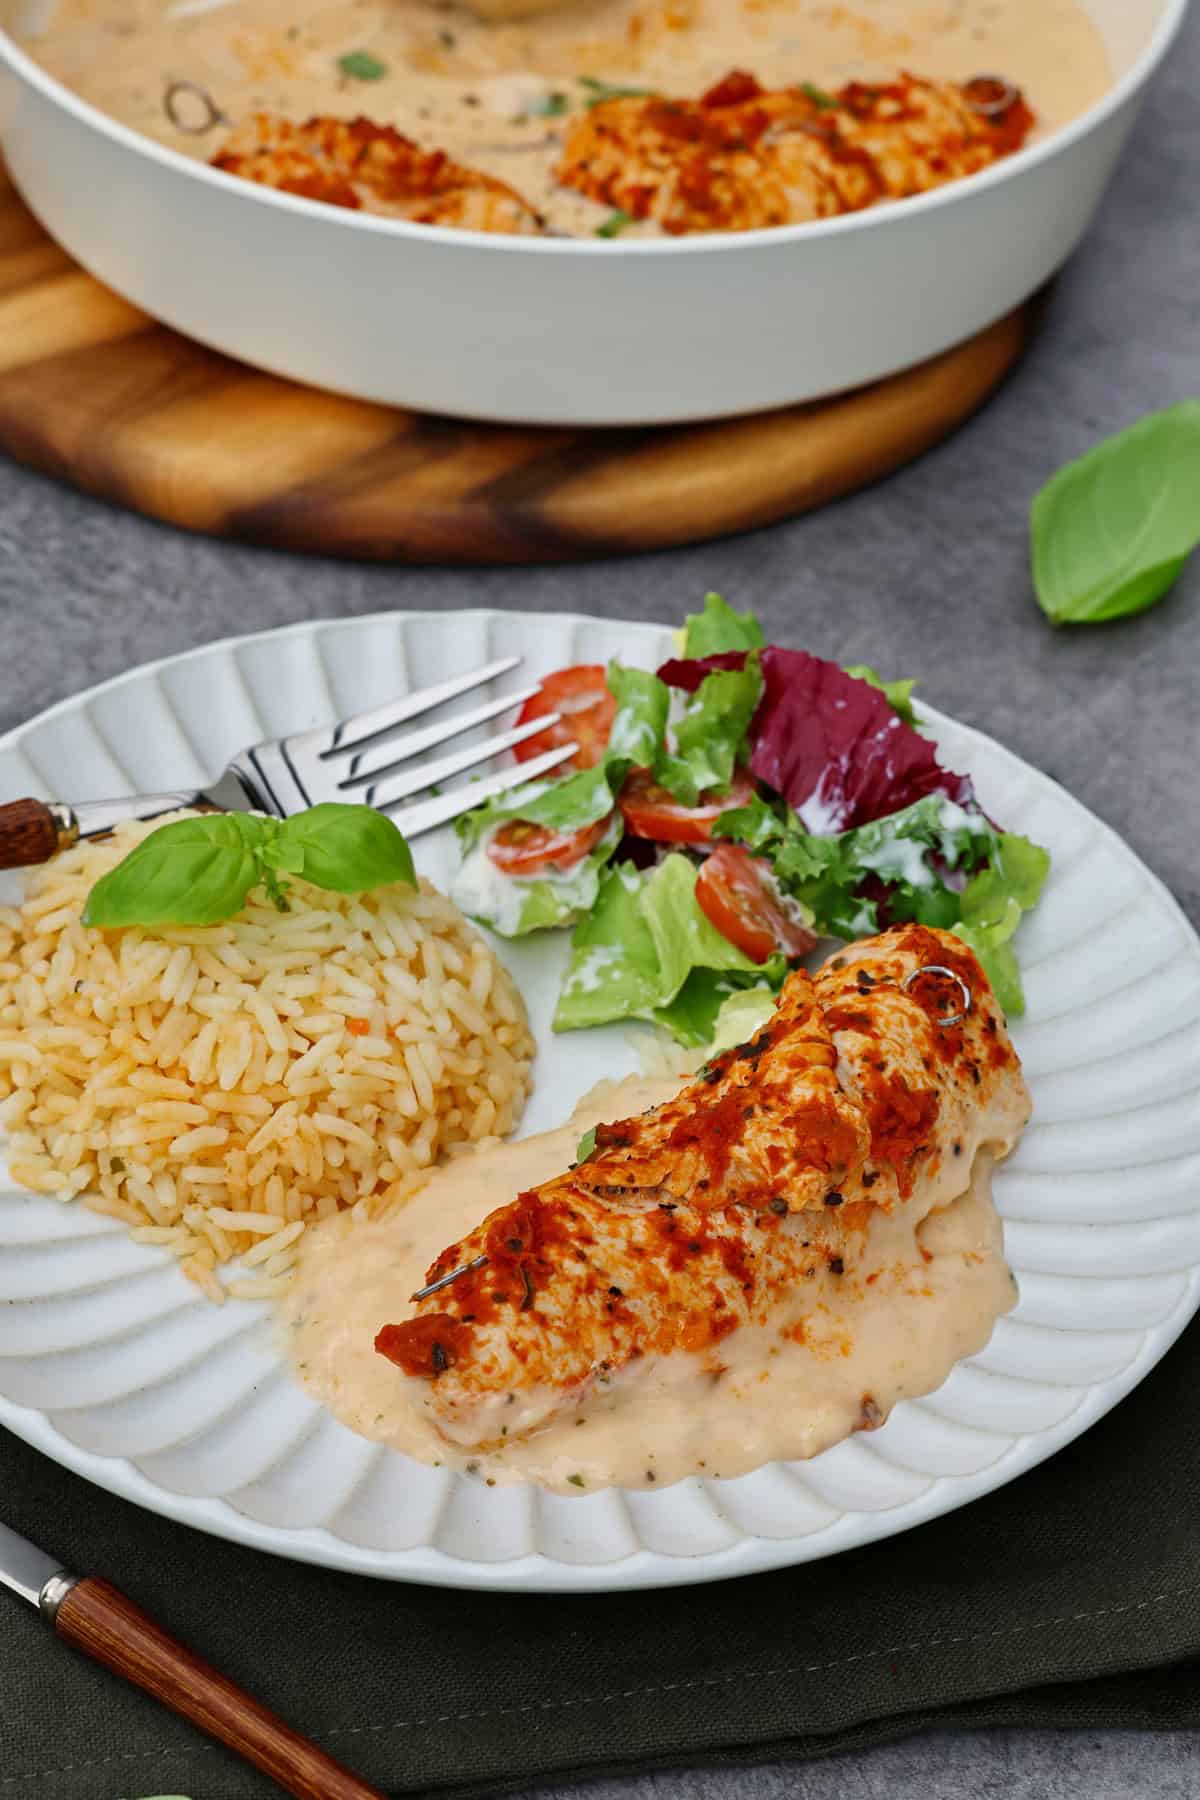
651	812
581	695
520	848
735	892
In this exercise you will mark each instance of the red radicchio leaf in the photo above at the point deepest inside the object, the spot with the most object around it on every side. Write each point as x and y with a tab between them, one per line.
835	750
689	672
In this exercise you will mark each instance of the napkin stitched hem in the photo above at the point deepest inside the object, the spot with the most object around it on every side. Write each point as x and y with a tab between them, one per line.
179	1756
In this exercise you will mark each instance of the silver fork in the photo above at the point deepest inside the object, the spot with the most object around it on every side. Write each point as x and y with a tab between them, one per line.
355	760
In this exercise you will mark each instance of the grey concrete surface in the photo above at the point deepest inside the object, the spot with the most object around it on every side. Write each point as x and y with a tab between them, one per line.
926	574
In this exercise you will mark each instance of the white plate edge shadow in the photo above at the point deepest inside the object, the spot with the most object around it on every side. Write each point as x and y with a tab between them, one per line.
644	1567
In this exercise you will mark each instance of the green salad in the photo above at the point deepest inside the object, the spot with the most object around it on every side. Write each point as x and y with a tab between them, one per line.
720	817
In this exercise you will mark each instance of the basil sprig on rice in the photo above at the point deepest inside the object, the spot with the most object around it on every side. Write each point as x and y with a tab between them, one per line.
199	871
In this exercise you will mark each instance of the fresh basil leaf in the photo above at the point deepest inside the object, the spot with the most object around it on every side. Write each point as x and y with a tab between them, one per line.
586	1145
360	65
897	693
615	224
190	872
1111	531
711	732
718	628
820	99
345	848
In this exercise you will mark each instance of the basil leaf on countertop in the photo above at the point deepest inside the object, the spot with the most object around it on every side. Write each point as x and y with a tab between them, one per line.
1111	531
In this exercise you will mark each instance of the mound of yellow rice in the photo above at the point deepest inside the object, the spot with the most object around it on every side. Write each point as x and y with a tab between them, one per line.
219	1087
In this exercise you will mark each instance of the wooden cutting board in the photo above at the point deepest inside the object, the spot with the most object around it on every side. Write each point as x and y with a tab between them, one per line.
96	393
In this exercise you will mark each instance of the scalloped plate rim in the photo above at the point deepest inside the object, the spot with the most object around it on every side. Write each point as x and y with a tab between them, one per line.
643	1568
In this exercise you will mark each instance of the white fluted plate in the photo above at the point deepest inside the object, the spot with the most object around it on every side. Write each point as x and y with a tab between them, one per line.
111	1363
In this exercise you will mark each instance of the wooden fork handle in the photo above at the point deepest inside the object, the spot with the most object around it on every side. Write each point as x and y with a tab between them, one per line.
31	831
98	1619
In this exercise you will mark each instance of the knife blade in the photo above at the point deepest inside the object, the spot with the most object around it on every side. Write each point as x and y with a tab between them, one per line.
98	1619
24	1568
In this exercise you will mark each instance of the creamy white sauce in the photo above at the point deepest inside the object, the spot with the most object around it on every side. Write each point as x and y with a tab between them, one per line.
480	90
483	892
919	1291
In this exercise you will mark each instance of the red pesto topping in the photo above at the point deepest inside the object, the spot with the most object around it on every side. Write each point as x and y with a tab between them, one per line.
732	90
425	1346
900	1122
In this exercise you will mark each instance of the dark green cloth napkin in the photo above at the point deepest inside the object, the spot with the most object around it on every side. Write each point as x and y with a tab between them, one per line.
1070	1597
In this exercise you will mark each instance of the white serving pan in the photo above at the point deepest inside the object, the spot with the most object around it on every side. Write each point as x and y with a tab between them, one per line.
557	331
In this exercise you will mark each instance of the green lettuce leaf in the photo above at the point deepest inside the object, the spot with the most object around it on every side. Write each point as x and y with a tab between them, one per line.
613	972
643	702
912	852
722	1007
710	733
898	694
718	628
992	905
513	905
632	955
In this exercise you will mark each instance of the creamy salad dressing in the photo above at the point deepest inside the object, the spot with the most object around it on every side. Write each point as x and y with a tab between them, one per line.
920	1290
491	93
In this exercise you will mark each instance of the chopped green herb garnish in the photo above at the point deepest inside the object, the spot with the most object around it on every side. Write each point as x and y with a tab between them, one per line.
587	1144
614	224
360	65
818	96
576	1481
605	90
547	106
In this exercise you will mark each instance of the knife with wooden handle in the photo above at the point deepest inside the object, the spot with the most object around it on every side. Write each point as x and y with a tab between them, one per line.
96	1618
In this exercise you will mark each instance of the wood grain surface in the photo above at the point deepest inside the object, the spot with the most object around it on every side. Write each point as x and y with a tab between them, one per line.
94	392
99	1620
28	834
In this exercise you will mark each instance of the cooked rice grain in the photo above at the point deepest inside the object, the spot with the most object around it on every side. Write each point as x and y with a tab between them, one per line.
218	1087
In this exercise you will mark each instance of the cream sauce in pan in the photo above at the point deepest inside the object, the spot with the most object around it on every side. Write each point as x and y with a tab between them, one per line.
921	1289
494	93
